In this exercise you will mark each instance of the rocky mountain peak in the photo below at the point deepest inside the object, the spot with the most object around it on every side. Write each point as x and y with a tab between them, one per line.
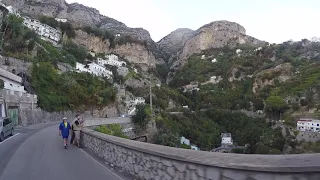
216	35
173	42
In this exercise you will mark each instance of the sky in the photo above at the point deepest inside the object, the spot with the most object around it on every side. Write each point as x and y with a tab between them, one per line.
274	21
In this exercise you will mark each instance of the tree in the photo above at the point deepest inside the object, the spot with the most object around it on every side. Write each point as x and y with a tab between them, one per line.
276	104
141	117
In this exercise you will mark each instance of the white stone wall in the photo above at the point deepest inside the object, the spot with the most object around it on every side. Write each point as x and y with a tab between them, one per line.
149	161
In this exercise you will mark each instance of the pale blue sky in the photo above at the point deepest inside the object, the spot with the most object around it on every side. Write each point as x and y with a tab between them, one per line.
274	21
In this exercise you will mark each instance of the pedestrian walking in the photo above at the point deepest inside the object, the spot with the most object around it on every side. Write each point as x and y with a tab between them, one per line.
77	126
64	130
72	128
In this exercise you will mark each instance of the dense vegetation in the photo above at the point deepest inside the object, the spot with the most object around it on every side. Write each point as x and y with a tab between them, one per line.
112	129
69	91
204	128
23	43
214	103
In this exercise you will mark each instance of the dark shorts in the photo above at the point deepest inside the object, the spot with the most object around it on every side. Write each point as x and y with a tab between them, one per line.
65	137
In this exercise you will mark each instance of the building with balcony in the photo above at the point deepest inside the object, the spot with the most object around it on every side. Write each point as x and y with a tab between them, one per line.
94	68
46	32
308	125
112	60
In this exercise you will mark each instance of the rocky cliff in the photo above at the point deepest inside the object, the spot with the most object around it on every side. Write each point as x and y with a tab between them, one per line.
174	42
215	35
80	15
134	53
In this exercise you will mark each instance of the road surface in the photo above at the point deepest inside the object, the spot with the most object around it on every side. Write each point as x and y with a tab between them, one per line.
37	153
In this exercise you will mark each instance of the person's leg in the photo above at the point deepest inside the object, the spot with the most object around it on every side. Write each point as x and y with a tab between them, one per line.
65	142
77	138
72	137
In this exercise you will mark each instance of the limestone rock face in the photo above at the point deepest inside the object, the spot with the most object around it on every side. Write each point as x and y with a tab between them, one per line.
135	53
93	43
173	42
216	35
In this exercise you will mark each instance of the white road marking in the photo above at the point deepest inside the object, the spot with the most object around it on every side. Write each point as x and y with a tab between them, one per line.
101	165
9	138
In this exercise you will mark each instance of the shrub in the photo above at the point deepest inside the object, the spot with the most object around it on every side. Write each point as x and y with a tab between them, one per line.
112	129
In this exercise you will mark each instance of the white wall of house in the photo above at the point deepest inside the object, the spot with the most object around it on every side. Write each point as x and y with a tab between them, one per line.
11	81
111	61
61	20
185	141
311	125
95	69
12	85
226	139
43	30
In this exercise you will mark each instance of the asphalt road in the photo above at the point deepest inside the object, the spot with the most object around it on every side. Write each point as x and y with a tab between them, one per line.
37	153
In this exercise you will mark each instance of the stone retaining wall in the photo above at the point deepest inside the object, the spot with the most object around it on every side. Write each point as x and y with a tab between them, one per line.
150	161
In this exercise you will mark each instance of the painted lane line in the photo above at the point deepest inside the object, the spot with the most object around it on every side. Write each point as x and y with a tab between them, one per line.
9	138
102	166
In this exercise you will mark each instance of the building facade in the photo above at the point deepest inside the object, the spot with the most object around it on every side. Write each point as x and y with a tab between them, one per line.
11	81
308	125
112	60
61	20
94	68
46	32
226	139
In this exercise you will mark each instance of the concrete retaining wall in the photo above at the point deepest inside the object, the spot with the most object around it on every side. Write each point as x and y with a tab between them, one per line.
308	136
150	161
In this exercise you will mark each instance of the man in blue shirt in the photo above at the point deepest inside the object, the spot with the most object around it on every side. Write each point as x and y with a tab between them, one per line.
64	128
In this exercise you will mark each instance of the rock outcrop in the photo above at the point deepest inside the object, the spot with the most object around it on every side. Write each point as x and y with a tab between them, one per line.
93	43
215	35
175	41
137	54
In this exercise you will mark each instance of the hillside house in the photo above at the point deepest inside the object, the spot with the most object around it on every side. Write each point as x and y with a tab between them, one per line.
132	103
308	125
46	32
13	11
111	60
226	139
186	141
61	20
11	81
94	68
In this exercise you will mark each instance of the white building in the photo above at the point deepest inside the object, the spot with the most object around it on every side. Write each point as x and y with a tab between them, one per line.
138	100
61	20
185	141
46	32
308	124
11	81
95	69
226	139
111	60
12	10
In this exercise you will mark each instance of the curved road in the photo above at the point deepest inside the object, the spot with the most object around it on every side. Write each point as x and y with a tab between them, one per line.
37	153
